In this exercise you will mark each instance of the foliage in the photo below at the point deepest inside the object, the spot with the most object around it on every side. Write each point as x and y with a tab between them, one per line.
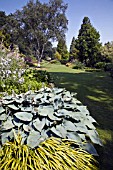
57	55
78	65
16	78
88	44
62	49
107	52
100	65
53	154
12	68
108	67
36	25
47	112
73	53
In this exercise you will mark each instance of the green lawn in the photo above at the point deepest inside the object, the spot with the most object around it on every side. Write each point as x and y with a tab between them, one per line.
95	90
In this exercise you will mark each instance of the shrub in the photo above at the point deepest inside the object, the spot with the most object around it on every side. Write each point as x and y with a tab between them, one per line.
55	62
53	154
108	67
78	65
63	62
100	65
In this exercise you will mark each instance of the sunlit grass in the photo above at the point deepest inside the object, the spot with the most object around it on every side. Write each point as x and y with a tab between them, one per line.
95	90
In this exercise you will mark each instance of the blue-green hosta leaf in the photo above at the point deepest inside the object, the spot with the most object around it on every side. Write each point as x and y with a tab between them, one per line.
91	119
58	90
8	125
44	134
56	132
32	140
82	136
62	130
47	89
45	110
38	96
17	123
76	102
19	100
6	136
44	101
7	97
69	126
27	128
3	117
24	116
27	109
83	110
94	137
62	113
2	109
47	122
39	125
74	136
52	117
7	101
12	106
89	148
67	96
82	129
69	106
89	124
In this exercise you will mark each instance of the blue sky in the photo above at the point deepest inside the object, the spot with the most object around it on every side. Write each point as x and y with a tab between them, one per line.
100	13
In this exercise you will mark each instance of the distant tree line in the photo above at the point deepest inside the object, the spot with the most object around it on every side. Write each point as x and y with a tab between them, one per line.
37	25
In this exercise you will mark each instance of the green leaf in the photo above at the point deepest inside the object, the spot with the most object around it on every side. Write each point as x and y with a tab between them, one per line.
39	125
7	101
69	126
89	148
74	136
2	109
27	128
58	90
62	130
56	132
8	125
12	106
24	116
45	110
38	96
33	139
17	123
94	137
27	109
19	100
3	117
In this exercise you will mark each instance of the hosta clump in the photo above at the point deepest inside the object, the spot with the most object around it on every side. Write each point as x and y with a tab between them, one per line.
44	113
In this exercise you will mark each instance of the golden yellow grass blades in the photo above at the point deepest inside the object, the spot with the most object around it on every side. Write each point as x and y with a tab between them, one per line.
52	154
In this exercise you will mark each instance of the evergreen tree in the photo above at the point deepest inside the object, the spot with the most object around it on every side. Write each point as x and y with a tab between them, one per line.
62	49
73	52
88	44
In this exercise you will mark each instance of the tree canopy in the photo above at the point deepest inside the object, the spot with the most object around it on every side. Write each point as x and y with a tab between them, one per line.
37	24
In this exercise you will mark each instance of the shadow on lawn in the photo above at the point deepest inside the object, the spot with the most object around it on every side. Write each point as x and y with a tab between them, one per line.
95	90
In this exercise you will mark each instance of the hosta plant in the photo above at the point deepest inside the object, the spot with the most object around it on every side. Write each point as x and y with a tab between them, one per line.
45	113
54	153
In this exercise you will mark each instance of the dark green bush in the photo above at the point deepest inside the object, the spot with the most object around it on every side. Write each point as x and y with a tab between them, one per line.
100	65
63	62
108	67
78	65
